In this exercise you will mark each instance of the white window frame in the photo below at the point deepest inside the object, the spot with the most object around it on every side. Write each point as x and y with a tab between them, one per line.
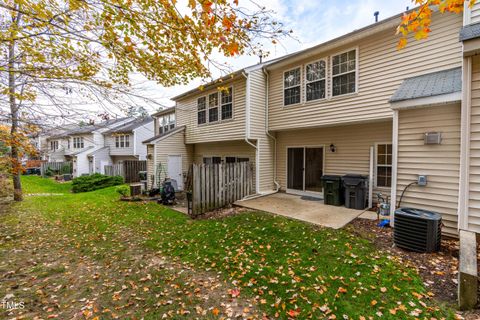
170	123
122	141
306	82
300	67
383	165
54	145
331	76
78	143
204	110
217	93
207	108
221	104
211	157
236	158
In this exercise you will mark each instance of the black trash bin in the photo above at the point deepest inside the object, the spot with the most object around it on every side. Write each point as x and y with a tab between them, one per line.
333	193
356	187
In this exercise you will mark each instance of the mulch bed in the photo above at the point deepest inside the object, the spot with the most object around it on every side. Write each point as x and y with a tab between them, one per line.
438	270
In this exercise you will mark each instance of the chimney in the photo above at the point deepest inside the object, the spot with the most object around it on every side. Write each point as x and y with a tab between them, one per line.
376	15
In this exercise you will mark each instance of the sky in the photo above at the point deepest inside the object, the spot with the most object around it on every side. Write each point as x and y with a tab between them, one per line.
312	22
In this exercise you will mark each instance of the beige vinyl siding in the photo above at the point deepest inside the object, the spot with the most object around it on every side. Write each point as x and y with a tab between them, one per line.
257	104
234	129
352	144
258	130
174	145
225	149
475	13
265	162
381	70
441	163
474	168
150	165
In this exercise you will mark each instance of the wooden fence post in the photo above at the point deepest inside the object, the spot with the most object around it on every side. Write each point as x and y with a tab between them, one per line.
217	185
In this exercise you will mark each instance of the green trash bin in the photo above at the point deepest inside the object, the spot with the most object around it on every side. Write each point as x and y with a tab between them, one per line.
333	193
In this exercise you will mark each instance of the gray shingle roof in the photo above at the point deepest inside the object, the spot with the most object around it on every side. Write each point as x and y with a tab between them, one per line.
129	126
92	127
428	85
165	134
469	32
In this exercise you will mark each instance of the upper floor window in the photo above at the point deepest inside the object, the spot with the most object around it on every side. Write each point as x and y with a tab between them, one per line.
122	141
315	80
201	110
54	145
291	85
384	165
166	123
78	143
213	107
344	73
227	104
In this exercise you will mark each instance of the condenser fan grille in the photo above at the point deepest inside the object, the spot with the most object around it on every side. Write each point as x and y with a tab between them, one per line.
417	230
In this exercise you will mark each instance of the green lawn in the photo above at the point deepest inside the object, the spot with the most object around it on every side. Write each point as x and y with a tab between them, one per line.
283	268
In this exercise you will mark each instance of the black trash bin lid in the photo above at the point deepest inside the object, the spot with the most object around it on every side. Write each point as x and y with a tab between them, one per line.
419	213
331	177
353	179
355	176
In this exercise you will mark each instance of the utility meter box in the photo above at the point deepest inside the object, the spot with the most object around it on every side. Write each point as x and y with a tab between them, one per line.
422	180
433	138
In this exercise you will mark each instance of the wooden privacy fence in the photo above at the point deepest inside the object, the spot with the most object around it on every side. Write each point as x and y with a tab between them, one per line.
217	185
114	170
129	170
56	168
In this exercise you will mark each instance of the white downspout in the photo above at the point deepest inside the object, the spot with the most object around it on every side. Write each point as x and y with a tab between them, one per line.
393	197
277	185
370	177
134	138
464	180
247	132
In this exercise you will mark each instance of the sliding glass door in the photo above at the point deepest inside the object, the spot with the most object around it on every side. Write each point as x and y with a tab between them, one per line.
304	169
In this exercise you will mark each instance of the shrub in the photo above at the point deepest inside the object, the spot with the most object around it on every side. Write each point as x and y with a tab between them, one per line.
94	182
124	190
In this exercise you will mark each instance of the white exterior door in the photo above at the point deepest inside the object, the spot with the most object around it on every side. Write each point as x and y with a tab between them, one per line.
174	168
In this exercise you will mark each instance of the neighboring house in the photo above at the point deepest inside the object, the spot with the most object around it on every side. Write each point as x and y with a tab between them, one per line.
125	141
84	146
216	125
354	104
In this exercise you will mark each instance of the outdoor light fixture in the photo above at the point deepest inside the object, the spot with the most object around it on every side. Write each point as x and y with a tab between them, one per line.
333	148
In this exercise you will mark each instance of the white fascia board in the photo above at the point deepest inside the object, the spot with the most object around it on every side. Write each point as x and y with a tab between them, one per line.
455	97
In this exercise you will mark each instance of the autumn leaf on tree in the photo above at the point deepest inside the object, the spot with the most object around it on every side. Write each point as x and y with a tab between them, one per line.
418	21
90	49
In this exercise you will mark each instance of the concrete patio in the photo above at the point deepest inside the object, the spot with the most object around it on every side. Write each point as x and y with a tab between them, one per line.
307	209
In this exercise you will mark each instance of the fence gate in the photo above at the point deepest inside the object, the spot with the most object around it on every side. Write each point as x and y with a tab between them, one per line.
131	168
217	185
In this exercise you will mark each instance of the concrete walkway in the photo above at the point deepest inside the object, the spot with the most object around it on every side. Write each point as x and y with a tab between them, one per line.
313	211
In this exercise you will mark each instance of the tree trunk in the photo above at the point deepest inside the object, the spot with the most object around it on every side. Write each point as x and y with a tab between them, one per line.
15	160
